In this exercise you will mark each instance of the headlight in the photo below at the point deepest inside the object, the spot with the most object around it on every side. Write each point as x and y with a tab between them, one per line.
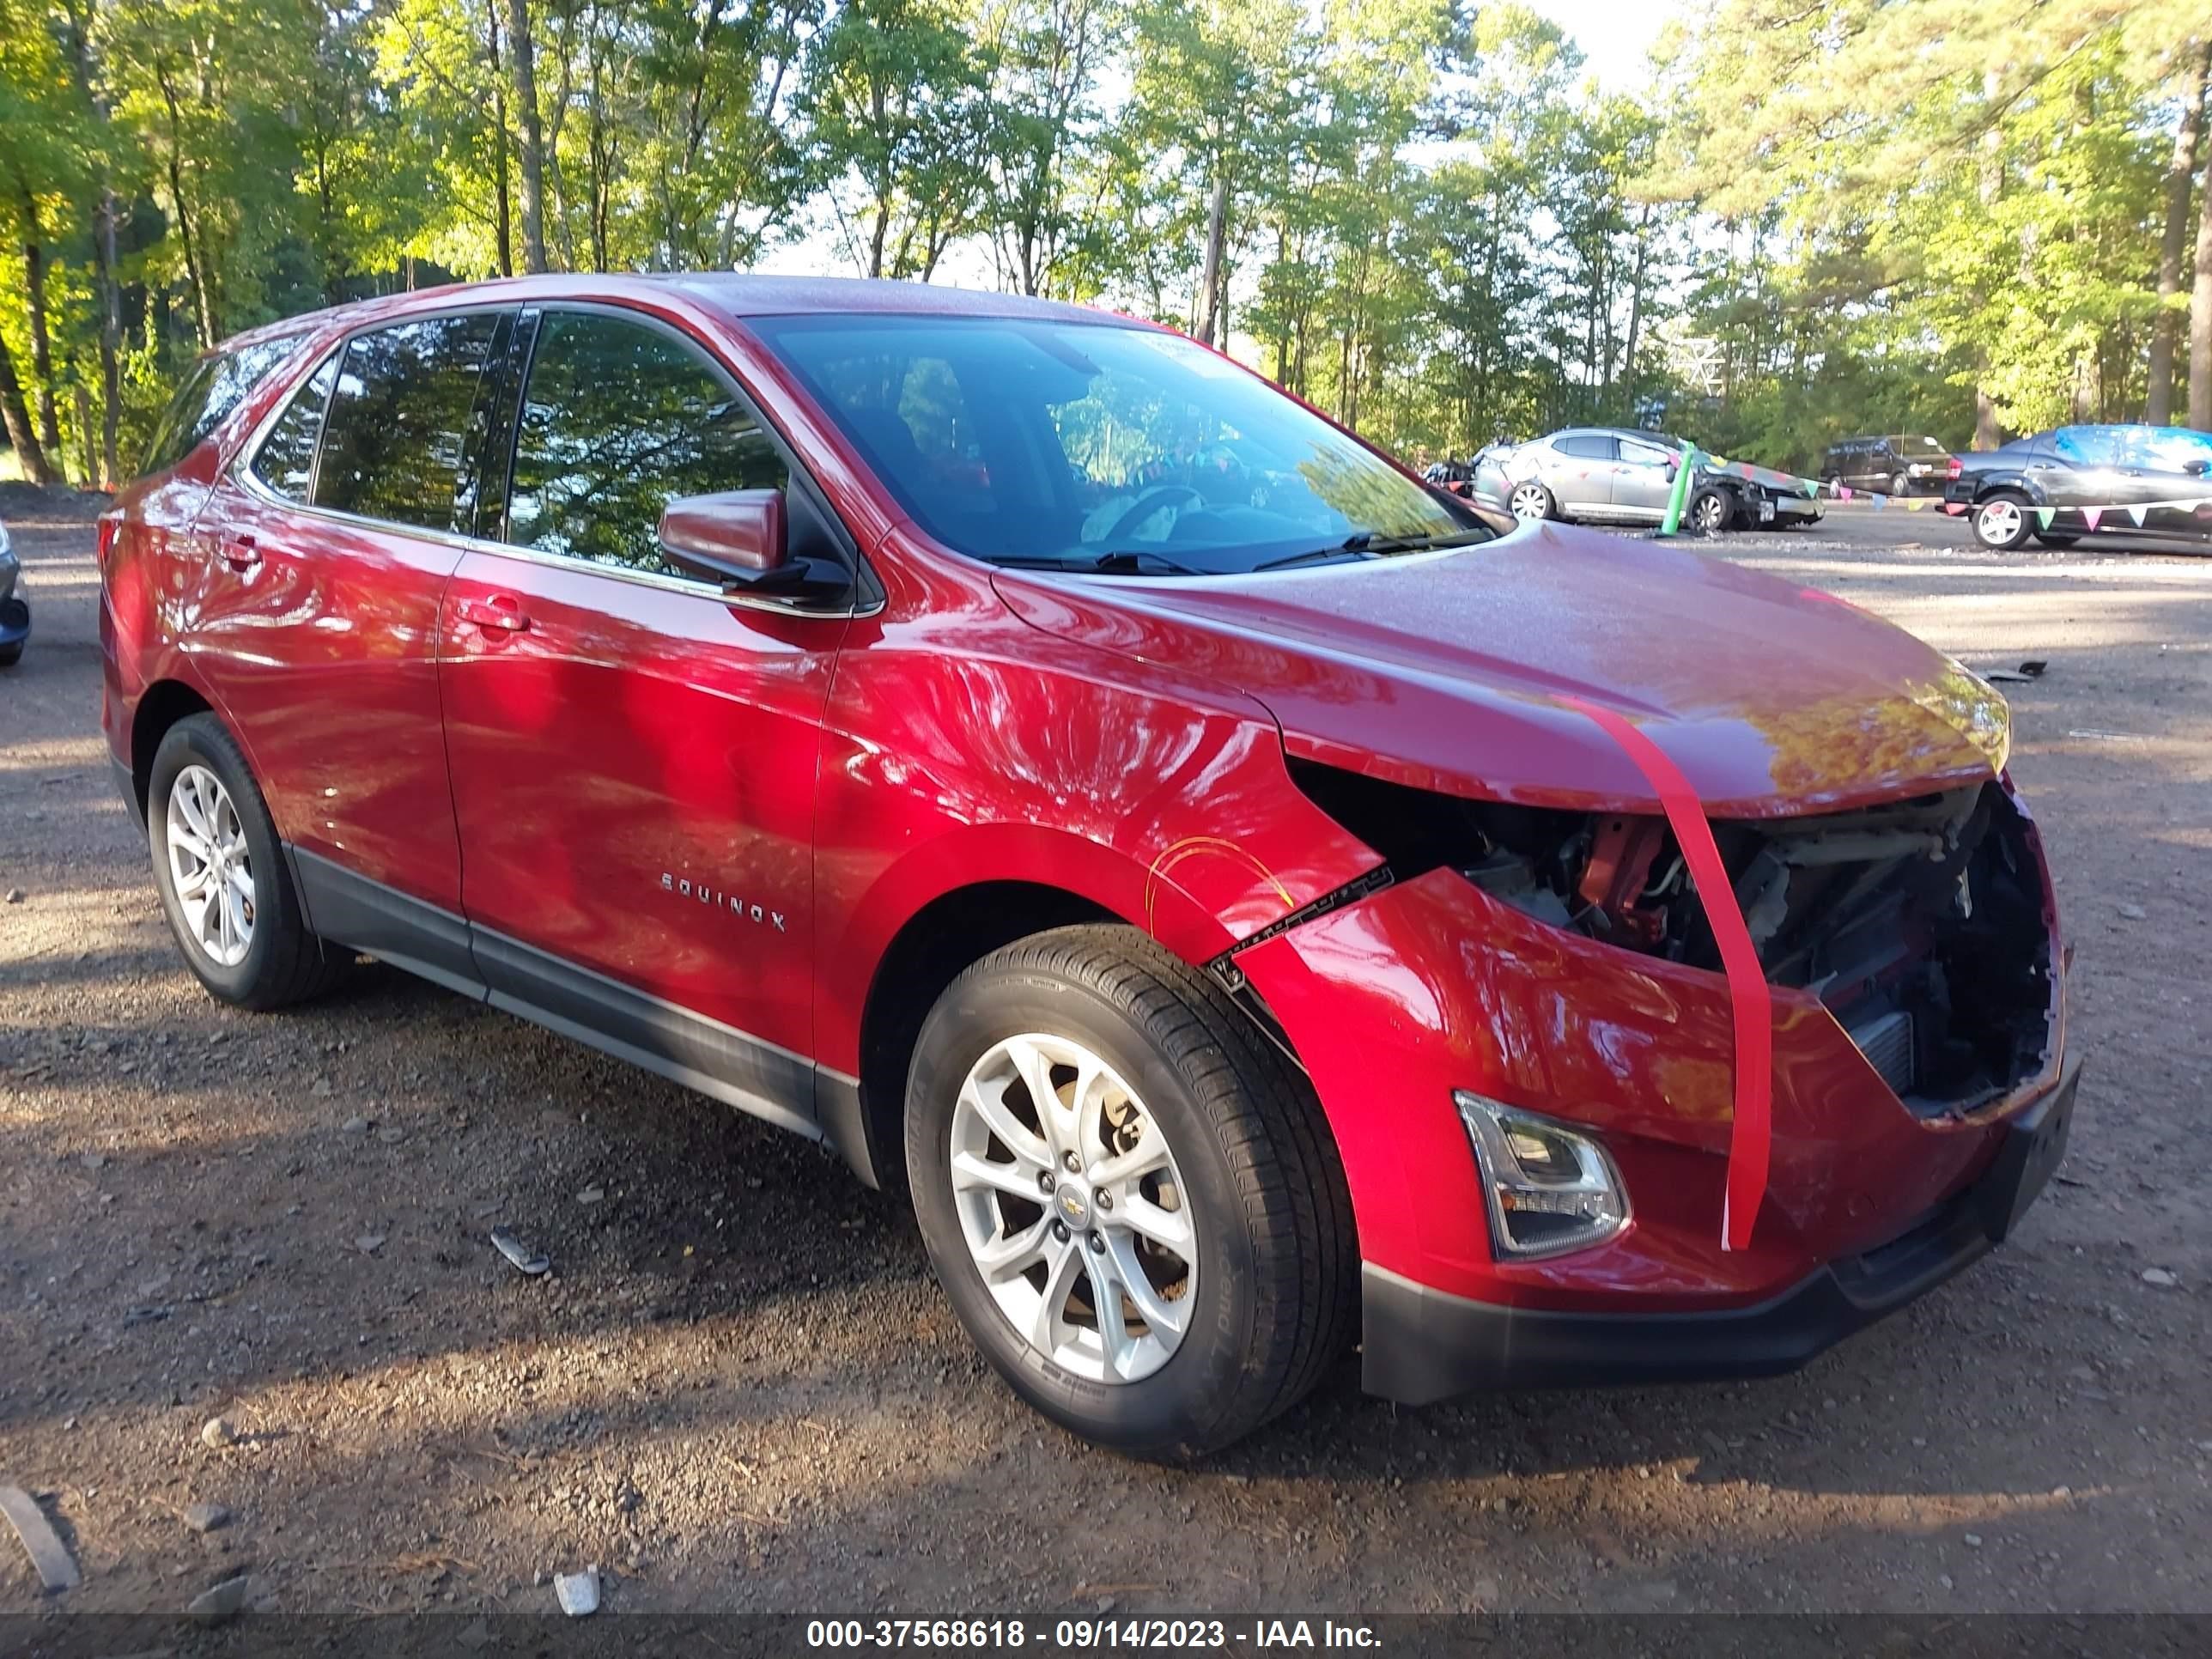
1548	1189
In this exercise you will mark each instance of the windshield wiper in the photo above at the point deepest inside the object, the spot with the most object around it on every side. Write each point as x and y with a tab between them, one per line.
1121	561
1367	544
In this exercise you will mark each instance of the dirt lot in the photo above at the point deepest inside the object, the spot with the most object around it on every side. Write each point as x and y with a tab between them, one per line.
739	1389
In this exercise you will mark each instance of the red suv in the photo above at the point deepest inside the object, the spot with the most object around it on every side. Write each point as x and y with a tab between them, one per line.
1248	902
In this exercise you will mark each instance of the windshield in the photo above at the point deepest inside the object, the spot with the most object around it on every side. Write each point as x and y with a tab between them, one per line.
1022	442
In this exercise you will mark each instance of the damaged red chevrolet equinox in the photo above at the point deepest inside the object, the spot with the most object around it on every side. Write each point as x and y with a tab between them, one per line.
1251	905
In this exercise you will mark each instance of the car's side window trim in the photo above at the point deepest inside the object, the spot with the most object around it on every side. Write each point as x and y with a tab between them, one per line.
867	591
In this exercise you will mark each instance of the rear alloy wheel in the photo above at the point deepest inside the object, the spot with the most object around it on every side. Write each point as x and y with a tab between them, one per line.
222	874
1711	513
1530	501
1128	1195
2002	522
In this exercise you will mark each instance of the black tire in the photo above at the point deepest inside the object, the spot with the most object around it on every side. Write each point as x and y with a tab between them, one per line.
10	655
1997	530
1709	511
1901	483
1539	492
2057	538
1277	1285
283	963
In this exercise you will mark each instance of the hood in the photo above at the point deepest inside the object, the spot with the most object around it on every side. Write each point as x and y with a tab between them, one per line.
1457	671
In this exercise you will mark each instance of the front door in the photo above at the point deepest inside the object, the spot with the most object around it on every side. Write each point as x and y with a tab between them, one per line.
633	752
318	623
1642	481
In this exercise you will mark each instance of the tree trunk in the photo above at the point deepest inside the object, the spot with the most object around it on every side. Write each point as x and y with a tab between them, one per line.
195	264
1210	281
503	205
2166	330
1987	435
2200	314
35	305
522	55
107	290
17	420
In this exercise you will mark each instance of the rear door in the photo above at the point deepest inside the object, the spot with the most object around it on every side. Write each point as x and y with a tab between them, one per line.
317	628
633	751
1582	473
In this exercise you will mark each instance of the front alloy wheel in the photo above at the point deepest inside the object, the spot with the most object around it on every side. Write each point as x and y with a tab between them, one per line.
1072	1208
1127	1192
211	867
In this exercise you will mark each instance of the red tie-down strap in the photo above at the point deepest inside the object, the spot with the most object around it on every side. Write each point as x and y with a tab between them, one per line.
1749	1003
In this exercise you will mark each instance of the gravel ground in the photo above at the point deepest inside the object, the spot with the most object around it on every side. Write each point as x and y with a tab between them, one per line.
738	1388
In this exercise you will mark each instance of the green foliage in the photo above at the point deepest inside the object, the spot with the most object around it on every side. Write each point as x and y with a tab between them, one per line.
1862	215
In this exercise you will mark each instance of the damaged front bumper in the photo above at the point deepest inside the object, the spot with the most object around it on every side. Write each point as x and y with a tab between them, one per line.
1420	1344
1433	988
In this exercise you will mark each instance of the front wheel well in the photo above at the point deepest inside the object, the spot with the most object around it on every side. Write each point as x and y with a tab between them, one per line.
938	943
163	705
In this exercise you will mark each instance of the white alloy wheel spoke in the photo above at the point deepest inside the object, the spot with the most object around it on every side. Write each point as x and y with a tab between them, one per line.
1165	1317
1063	1260
970	1171
986	1101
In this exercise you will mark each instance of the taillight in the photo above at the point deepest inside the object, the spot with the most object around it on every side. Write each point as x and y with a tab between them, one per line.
1956	469
104	538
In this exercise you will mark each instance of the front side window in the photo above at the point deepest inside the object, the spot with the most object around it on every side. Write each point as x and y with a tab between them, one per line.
1636	454
217	385
286	459
619	419
1034	442
2169	449
395	440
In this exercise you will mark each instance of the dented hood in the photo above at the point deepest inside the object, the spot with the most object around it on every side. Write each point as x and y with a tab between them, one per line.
1459	672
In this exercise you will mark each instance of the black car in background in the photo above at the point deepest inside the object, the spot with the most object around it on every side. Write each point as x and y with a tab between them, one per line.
2072	481
1894	465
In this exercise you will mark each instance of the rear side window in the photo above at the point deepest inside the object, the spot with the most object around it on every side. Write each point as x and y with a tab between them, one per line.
217	384
619	419
286	459
1588	446
395	439
2088	446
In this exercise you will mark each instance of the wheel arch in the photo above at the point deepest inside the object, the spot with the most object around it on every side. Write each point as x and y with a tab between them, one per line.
160	706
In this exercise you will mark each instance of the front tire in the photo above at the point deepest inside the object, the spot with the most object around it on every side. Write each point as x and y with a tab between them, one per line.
223	881
1129	1195
1711	513
2002	521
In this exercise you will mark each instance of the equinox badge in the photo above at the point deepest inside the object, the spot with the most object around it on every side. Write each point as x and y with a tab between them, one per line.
717	899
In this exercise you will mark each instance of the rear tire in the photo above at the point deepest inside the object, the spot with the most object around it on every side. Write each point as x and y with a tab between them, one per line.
1529	503
1901	483
224	884
2002	521
1246	1322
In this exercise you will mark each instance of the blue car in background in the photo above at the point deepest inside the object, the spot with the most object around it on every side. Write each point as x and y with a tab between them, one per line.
15	610
2060	485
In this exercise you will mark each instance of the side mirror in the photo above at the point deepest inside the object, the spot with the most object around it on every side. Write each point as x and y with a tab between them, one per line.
739	538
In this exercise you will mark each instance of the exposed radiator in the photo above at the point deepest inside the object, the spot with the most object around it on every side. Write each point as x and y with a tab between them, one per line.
1888	1044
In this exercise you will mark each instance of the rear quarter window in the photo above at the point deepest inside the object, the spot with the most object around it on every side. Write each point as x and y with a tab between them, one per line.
217	385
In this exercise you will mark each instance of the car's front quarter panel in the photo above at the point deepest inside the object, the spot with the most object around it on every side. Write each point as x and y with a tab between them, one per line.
965	744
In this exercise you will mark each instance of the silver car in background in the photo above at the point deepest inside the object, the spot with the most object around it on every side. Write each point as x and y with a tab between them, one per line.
1618	475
